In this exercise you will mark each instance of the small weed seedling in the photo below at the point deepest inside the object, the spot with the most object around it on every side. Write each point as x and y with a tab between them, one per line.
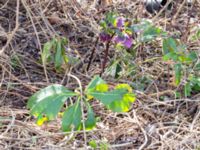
100	145
47	103
184	63
55	51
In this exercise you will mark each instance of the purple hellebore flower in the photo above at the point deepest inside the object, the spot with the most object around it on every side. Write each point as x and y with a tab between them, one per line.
125	40
104	37
128	42
119	39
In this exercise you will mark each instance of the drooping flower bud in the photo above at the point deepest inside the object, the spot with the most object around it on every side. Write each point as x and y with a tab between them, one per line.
104	37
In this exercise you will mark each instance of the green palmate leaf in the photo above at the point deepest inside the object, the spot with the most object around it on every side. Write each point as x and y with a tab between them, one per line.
41	119
178	73
151	33
64	56
123	105
95	81
46	51
184	59
118	100
141	26
169	45
103	87
72	118
124	86
48	101
114	70
170	55
108	97
91	120
58	55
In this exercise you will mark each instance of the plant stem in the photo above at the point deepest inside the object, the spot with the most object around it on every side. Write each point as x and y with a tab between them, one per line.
106	54
92	54
82	106
105	57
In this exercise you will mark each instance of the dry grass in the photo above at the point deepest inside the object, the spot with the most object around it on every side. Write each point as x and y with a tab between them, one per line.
151	124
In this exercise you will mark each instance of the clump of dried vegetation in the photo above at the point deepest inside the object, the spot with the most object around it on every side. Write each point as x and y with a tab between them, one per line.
157	120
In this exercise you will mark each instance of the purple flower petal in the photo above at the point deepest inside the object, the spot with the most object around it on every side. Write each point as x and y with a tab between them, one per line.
119	39
128	42
124	40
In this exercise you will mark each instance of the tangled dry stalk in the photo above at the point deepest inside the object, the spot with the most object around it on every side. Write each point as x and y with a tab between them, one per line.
151	124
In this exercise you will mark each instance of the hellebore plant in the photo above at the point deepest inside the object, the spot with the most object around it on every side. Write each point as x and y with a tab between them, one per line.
54	102
117	30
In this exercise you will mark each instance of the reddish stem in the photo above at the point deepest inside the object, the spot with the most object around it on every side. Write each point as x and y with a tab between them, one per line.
105	57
